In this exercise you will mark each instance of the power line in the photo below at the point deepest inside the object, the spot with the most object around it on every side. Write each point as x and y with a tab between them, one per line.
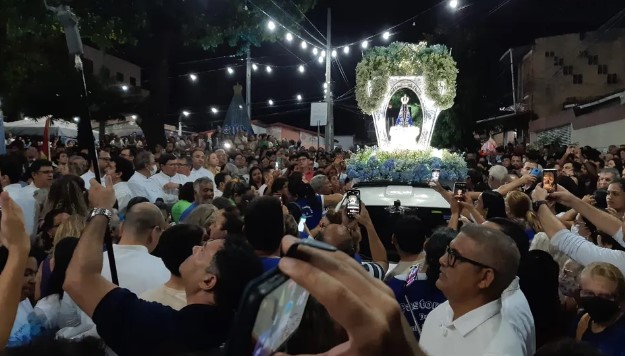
307	19
288	15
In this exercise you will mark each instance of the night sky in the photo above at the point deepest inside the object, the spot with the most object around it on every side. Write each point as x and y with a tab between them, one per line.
498	24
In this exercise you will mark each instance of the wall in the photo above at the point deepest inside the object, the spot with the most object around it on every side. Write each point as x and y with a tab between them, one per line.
546	85
114	64
600	136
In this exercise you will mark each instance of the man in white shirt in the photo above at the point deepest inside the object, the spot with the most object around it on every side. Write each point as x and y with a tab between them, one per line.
42	173
120	170
478	266
11	172
145	167
137	270
198	171
497	177
184	167
166	183
104	158
221	179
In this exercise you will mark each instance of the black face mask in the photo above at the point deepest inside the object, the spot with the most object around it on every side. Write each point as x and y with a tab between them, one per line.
600	309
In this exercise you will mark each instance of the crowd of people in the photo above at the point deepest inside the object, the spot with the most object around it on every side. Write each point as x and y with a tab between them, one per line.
516	271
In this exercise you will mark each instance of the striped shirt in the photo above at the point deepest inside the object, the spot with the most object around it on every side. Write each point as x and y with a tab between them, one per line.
374	269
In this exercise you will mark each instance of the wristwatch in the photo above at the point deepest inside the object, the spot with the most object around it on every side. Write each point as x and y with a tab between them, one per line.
536	205
100	211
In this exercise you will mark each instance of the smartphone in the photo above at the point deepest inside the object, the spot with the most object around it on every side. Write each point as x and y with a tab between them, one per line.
460	190
536	172
550	180
353	202
436	173
301	227
600	198
271	310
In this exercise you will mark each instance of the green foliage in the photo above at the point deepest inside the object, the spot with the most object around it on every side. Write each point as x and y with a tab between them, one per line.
435	63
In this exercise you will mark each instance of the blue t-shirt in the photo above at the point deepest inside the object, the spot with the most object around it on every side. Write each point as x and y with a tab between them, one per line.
610	341
416	300
269	263
313	216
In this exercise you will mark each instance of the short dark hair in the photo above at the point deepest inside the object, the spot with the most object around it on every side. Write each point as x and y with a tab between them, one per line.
264	223
222	203
435	249
166	157
186	192
10	166
220	178
124	167
303	154
142	160
176	244
516	232
233	224
410	234
236	265
38	164
134	201
278	183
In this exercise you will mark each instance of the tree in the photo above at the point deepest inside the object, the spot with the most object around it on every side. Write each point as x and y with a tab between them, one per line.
157	26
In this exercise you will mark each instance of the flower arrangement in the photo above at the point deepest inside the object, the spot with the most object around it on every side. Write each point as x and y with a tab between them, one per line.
412	167
433	62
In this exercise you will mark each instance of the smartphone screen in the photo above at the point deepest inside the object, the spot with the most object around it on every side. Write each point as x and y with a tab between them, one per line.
302	224
353	203
436	173
535	172
550	177
460	189
600	198
278	317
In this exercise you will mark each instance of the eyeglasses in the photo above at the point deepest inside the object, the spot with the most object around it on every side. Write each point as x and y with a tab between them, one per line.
453	256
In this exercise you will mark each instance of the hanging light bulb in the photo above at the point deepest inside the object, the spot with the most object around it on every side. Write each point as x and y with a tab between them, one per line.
299	97
321	59
333	53
453	4
301	68
365	44
315	51
386	35
304	45
325	85
323	53
230	70
254	66
271	25
270	102
214	110
268	69
289	37
193	77
346	49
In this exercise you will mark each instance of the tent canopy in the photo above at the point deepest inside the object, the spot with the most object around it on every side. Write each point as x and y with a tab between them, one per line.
35	128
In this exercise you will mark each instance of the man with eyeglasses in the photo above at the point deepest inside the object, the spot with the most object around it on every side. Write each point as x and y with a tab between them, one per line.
42	172
478	266
104	158
166	184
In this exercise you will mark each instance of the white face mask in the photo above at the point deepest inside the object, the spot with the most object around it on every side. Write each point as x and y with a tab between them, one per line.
153	170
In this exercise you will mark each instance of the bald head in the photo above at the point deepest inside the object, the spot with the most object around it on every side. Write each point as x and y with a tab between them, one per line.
141	220
497	250
339	237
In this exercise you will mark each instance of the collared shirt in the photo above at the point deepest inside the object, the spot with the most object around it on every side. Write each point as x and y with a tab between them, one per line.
131	326
13	189
138	184
478	332
137	269
156	185
87	178
585	252
516	311
123	195
29	190
201	173
218	193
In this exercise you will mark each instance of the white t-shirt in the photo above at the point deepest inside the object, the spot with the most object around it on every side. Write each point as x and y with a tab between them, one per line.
174	298
123	195
21	333
138	185
516	311
137	270
158	181
201	173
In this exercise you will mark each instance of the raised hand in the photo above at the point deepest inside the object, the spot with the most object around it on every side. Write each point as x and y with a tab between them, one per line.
12	229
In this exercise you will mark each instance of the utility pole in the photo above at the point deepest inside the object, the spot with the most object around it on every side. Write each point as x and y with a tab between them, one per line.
329	139
512	75
248	83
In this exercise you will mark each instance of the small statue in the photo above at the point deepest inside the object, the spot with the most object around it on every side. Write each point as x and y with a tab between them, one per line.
404	119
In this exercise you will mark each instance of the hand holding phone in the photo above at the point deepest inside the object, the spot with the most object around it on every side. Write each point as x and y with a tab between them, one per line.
460	190
436	175
352	205
550	180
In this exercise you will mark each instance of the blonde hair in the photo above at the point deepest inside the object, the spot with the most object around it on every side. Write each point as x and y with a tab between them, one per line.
72	227
290	225
520	207
609	272
203	216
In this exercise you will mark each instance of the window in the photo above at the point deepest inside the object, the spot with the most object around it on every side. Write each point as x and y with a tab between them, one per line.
87	65
561	62
567	70
578	79
549	54
105	72
555	61
602	69
133	81
612	78
593	60
119	76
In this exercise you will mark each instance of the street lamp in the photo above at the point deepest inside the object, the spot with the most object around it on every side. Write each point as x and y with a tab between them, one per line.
184	113
299	97
125	87
193	77
270	102
230	70
453	4
214	110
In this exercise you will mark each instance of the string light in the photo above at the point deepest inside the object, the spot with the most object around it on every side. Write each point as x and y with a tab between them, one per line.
271	25
304	45
325	85
299	97
301	69
134	117
186	113
346	49
320	59
289	37
453	4
268	69
76	119
125	87
230	70
193	77
386	35
365	44
214	110
315	51
254	66
333	53
270	102
323	53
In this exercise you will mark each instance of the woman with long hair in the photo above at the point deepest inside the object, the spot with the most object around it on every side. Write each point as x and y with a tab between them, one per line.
212	163
239	193
519	208
256	177
68	193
